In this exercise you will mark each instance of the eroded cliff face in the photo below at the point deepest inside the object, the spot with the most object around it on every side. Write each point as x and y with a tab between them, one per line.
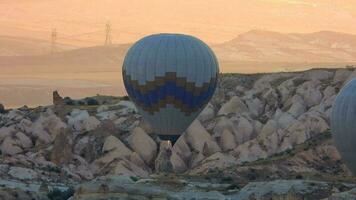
257	127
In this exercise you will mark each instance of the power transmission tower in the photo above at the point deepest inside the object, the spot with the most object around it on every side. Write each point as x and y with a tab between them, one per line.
54	41
108	34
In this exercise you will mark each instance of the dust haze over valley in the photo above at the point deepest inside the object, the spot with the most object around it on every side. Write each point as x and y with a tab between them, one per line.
247	37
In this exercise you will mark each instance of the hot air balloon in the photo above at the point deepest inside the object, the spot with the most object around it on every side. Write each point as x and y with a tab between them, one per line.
343	124
170	78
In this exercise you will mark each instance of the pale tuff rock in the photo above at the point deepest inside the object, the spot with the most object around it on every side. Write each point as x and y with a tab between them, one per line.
46	127
216	161
179	165
23	173
102	108
318	75
163	161
62	148
6	131
113	149
256	106
24	126
350	77
328	92
310	93
285	120
182	149
222	124
107	115
197	136
113	143
341	75
196	159
207	113
80	121
127	168
269	128
285	89
23	141
298	106
227	140
137	160
10	147
250	151
15	115
234	105
244	130
128	106
143	144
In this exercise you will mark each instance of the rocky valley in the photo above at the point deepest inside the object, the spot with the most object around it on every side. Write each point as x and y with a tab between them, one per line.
262	136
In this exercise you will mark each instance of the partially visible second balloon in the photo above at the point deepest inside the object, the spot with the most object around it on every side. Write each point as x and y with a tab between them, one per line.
343	124
170	78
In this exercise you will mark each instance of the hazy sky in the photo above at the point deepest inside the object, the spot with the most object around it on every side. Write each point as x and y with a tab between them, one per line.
82	22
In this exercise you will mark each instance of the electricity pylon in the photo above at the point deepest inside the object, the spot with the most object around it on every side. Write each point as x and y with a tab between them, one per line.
108	34
54	40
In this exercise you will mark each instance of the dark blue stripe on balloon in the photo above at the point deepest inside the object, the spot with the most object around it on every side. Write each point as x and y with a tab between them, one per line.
170	88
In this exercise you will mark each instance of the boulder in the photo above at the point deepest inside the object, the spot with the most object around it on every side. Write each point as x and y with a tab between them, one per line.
80	121
329	92
244	130
341	75
207	114
310	93
285	120
227	140
197	136
298	106
23	173
10	146
47	126
6	131
255	106
250	151
179	165
182	149
23	140
234	105
62	148
113	143
223	123
143	144
269	128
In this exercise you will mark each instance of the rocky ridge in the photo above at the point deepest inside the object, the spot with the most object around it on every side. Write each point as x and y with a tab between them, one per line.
261	127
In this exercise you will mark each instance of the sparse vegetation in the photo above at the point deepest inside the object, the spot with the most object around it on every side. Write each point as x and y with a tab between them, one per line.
57	194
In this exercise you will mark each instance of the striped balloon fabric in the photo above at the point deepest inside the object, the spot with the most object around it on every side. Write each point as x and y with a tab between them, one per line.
170	78
343	124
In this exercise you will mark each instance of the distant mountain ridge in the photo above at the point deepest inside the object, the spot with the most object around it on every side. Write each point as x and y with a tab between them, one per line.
258	45
250	52
19	46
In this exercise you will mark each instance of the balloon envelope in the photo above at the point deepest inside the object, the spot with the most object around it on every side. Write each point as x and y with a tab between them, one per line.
170	78
343	124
